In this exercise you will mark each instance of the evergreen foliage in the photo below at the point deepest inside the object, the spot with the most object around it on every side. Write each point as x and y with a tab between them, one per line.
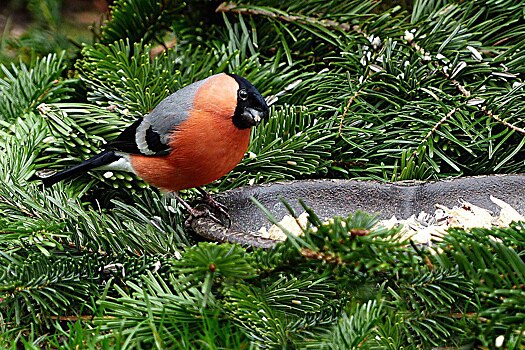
49	32
360	89
23	88
140	20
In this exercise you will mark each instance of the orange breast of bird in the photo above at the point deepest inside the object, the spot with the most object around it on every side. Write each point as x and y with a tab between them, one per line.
205	147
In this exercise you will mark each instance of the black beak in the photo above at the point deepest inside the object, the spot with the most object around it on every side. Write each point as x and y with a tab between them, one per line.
253	116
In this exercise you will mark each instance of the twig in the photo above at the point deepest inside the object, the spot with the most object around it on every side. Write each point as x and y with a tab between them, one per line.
436	126
20	207
468	315
507	124
350	100
326	23
466	93
456	83
441	121
315	255
73	318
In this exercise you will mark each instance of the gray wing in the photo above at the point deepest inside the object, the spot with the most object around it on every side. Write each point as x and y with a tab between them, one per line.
151	135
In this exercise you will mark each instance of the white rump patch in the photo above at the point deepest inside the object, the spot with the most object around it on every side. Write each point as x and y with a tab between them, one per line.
122	164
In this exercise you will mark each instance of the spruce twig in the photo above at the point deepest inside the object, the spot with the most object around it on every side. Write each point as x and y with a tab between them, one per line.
230	7
504	122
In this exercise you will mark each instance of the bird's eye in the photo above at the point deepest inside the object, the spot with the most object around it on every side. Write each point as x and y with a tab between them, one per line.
243	95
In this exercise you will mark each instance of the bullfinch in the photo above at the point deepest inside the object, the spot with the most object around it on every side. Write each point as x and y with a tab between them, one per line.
191	138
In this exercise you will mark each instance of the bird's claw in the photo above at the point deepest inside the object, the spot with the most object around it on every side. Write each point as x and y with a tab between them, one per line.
209	203
208	199
223	213
195	214
199	213
219	207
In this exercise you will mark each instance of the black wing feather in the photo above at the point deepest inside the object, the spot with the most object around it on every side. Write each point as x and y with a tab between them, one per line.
154	142
126	141
103	158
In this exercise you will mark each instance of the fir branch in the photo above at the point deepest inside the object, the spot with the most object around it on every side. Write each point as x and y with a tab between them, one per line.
441	121
350	100
507	124
424	302
353	330
140	20
230	7
152	309
489	259
270	316
34	289
23	87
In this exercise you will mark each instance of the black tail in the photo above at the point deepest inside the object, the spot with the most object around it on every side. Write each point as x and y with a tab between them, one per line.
100	159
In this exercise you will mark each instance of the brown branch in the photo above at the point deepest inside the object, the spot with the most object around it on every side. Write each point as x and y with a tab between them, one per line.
441	121
326	257
454	82
466	93
352	98
19	206
467	315
73	318
231	7
436	126
507	124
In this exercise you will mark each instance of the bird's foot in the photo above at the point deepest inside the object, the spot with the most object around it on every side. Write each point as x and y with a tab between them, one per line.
200	212
195	214
203	211
217	206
